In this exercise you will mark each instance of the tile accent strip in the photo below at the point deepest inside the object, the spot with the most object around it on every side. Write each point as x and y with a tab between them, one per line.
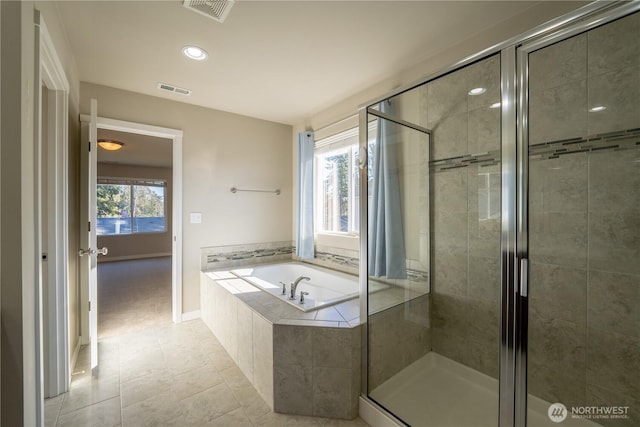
343	261
221	257
614	141
217	257
490	158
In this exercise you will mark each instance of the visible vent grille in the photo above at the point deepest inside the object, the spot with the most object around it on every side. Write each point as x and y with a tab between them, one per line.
214	9
182	91
174	89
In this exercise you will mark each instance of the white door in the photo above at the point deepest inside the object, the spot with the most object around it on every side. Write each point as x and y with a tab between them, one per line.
88	250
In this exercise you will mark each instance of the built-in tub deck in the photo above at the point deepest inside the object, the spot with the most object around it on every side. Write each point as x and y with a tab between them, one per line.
277	309
304	363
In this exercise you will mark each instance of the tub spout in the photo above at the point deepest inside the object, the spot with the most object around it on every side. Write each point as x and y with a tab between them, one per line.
294	286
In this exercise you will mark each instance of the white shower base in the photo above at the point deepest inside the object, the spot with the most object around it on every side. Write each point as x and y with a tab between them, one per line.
436	391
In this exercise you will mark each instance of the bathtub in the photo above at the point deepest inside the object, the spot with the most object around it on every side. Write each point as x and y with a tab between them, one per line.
326	287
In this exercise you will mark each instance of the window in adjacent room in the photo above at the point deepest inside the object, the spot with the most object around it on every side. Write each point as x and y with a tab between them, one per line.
337	178
129	206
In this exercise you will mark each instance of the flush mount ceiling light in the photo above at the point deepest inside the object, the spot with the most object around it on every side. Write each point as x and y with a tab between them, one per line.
110	145
597	108
194	52
477	91
495	105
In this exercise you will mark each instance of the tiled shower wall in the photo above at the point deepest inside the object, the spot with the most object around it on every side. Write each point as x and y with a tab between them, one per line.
584	324
465	213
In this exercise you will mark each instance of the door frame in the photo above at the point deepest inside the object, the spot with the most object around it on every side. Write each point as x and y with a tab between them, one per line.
175	136
50	72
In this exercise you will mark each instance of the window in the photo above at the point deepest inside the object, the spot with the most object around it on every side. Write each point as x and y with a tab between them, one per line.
338	182
130	206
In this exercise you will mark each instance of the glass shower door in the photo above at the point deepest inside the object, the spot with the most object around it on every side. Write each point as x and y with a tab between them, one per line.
398	287
584	228
434	312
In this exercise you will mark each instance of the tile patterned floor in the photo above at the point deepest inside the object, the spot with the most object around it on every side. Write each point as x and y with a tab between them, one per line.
173	375
165	375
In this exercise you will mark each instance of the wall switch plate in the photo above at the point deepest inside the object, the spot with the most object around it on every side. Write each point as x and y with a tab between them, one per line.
196	217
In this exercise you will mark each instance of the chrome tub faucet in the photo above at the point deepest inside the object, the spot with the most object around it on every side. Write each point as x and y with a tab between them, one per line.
294	286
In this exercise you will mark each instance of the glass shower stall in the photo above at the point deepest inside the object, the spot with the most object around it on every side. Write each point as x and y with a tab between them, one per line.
501	272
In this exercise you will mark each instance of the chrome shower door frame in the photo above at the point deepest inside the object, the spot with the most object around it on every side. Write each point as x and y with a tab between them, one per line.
578	25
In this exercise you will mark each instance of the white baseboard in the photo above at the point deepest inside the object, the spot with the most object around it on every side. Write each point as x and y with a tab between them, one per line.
191	315
131	257
375	416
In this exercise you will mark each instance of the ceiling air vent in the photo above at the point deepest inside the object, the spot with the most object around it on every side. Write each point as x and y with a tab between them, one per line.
214	9
174	89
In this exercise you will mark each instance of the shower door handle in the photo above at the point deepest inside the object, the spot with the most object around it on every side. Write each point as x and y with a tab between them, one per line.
524	277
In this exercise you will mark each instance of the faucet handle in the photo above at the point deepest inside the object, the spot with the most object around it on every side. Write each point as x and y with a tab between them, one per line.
284	288
302	294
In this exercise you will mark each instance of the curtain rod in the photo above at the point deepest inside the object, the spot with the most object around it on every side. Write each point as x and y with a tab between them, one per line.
336	123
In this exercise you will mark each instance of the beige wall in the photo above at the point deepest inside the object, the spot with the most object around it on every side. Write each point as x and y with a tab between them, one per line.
18	220
142	245
220	150
11	268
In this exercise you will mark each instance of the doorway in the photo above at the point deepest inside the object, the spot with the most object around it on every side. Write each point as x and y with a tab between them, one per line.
134	212
90	126
52	342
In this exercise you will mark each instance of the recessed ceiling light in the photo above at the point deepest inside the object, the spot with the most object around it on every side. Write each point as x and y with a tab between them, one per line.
597	108
495	105
194	52
477	91
110	145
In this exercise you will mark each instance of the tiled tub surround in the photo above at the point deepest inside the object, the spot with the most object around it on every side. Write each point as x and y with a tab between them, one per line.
345	260
584	201
225	257
300	363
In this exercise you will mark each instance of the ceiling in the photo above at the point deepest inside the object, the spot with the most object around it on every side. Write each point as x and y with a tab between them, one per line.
138	150
276	60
